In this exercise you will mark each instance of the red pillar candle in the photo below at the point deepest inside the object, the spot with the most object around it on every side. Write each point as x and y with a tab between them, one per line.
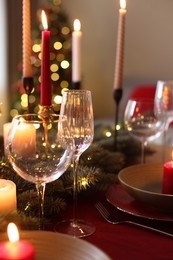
15	248
167	183
46	95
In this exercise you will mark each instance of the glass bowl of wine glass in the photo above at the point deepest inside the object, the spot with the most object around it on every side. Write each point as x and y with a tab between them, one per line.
144	121
38	151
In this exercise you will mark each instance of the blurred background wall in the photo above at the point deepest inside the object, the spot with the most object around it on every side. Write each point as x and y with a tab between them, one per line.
148	54
4	94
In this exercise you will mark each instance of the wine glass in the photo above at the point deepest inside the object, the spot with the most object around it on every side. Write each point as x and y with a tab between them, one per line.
164	98
144	121
37	150
77	106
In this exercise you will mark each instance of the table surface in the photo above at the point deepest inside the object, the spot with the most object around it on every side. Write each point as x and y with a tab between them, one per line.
124	241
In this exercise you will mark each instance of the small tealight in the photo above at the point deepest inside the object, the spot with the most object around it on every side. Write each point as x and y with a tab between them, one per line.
167	183
15	248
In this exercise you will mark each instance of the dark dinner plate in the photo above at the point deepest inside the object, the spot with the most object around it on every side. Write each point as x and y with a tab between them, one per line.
123	201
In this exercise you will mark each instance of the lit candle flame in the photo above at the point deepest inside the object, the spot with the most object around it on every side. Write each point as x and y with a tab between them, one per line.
77	25
123	4
13	233
44	20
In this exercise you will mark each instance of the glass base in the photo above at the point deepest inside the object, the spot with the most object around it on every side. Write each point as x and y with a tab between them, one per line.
75	228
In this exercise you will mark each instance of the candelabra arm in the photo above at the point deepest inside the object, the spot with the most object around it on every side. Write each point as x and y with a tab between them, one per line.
117	95
45	112
76	85
28	84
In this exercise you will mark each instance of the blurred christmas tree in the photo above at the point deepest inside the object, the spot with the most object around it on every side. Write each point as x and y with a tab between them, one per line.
60	58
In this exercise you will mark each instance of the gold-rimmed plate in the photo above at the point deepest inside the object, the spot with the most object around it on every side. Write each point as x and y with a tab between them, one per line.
51	245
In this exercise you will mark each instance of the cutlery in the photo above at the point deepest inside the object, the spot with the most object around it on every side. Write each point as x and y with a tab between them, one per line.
114	220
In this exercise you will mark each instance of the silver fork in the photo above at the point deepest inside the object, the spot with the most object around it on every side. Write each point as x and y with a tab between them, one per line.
113	220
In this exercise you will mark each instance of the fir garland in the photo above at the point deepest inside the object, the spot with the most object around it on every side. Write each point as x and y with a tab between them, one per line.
98	169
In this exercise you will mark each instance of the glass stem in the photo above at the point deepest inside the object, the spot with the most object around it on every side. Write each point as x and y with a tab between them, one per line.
75	161
40	192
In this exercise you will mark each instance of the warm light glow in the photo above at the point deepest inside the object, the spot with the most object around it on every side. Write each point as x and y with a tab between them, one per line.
108	134
13	112
57	45
24	98
44	20
77	25
123	4
84	182
54	76
64	84
118	127
58	99
36	47
63	90
60	57
13	233
65	30
65	64
54	67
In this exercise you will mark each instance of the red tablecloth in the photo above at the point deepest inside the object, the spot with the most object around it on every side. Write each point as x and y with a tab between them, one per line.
124	241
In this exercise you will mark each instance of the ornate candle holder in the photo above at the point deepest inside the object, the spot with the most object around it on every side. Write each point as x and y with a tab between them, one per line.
28	84
76	85
45	112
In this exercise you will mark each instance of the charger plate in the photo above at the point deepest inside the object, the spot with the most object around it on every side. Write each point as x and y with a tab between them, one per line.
123	201
50	245
144	183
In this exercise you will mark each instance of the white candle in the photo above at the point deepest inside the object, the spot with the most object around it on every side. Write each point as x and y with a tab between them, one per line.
7	196
24	141
27	69
6	129
120	46
76	52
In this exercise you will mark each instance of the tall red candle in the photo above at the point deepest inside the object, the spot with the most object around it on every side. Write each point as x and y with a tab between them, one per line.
46	94
15	248
167	183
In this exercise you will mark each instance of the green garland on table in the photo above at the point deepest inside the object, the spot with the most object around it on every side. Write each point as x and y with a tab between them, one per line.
98	169
92	176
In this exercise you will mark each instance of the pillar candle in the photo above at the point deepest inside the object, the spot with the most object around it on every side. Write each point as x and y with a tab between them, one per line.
15	248
76	52
24	140
120	46
27	69
46	97
7	196
167	182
